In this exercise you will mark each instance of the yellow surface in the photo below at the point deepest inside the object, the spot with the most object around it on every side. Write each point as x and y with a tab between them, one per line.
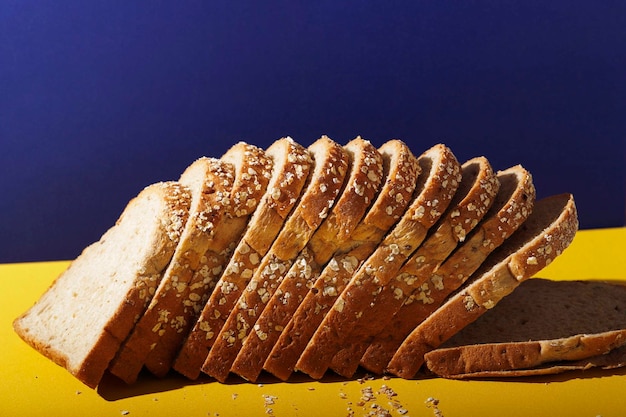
33	386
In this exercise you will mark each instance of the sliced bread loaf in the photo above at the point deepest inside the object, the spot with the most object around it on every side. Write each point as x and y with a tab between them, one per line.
252	172
513	203
442	174
361	186
401	170
541	322
475	195
330	167
209	181
544	235
291	167
82	319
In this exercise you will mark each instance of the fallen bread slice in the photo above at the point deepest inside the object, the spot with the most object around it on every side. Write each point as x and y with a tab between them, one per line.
291	167
81	320
443	175
513	203
361	185
209	181
330	166
252	172
475	195
540	323
614	359
401	170
543	236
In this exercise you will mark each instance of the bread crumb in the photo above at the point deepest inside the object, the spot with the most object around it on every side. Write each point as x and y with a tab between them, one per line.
125	412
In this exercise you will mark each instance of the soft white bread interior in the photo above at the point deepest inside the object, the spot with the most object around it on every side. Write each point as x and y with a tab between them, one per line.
82	319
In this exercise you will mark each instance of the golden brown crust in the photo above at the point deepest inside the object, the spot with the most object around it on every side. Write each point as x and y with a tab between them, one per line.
252	171
613	359
330	168
553	223
512	205
401	170
292	164
471	201
212	181
366	172
442	176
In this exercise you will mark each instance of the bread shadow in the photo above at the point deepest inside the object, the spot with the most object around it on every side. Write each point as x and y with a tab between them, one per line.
113	389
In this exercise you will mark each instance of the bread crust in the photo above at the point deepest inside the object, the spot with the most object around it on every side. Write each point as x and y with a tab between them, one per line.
511	207
545	234
442	176
616	358
210	181
361	186
107	273
291	167
252	171
323	185
475	195
401	169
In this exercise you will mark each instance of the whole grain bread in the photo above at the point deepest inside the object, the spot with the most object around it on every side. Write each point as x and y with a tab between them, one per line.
541	322
81	320
475	195
442	176
252	169
361	186
210	182
543	236
291	167
401	170
512	205
330	167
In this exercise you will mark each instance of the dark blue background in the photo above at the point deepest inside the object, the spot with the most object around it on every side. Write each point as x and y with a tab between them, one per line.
99	99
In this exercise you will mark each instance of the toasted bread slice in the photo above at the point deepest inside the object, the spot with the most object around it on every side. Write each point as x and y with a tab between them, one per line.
82	319
477	190
210	181
513	203
291	167
541	322
401	170
252	172
443	175
544	235
330	168
361	186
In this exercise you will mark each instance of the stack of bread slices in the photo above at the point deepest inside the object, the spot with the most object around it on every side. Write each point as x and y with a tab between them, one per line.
307	259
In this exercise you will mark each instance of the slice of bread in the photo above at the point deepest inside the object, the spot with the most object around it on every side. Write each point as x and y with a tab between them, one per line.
209	181
291	167
442	174
252	172
544	235
541	322
323	185
401	170
513	203
614	359
361	186
82	319
477	191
